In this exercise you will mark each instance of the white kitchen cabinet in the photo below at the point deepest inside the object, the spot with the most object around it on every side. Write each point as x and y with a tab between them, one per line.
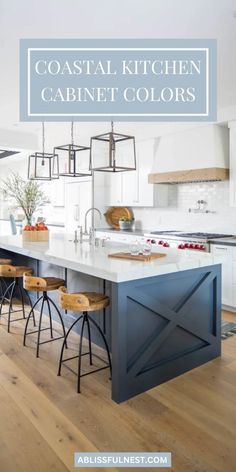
77	202
131	188
114	194
232	153
224	255
58	192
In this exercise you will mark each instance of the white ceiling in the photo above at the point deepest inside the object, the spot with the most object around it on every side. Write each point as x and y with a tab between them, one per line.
114	19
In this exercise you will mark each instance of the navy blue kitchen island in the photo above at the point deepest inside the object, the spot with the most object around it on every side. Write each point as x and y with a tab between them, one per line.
164	318
162	327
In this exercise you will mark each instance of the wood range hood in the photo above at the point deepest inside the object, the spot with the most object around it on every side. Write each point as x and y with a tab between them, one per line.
200	154
210	174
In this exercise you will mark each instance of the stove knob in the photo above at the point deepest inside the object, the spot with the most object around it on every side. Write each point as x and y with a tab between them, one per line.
181	246
166	245
160	243
148	240
153	241
196	246
191	246
202	247
186	245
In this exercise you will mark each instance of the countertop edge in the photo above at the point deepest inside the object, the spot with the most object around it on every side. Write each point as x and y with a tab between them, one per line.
223	242
113	274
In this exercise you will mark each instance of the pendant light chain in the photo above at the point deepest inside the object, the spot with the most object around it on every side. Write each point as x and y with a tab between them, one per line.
43	137
113	147
43	143
72	133
71	152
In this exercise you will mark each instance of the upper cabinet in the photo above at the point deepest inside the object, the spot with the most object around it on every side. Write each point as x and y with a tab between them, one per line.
77	201
232	153
114	193
132	188
58	192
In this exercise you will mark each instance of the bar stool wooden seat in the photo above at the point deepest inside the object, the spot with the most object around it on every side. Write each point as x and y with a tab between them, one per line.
9	271
3	284
5	261
84	302
44	285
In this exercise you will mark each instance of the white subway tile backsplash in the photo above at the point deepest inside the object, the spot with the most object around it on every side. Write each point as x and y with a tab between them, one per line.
184	196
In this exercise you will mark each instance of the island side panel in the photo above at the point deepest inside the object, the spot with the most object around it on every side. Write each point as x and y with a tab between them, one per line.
164	326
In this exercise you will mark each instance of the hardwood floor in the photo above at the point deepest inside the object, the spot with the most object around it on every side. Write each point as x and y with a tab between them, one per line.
43	421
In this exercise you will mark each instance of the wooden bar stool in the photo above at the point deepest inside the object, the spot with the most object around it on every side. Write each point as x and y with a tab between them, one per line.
43	284
3	284
16	273
83	303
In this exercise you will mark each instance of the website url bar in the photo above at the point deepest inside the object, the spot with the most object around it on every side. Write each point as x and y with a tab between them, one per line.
122	459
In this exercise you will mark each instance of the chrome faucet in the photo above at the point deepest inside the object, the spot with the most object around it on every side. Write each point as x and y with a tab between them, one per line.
80	229
86	214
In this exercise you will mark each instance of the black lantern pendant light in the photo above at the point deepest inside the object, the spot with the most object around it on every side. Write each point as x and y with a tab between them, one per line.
42	165
73	158
112	152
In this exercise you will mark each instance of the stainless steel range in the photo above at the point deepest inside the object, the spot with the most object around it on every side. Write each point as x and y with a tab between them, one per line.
180	240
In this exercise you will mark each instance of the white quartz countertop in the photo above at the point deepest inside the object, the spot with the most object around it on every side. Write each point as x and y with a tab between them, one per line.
94	261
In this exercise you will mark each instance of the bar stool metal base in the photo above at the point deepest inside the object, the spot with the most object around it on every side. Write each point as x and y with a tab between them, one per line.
11	290
86	319
3	287
44	299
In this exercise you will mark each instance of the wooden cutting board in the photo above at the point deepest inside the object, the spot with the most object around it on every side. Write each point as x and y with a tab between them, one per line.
138	257
113	214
